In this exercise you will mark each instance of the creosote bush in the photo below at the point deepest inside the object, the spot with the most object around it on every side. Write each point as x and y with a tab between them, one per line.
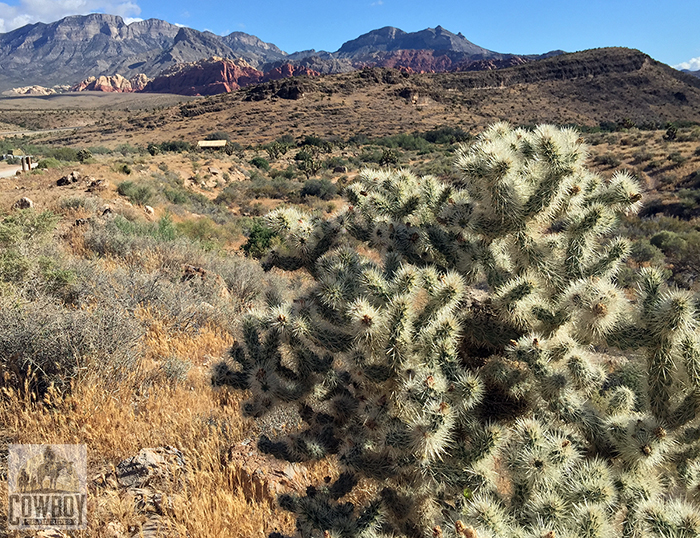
467	366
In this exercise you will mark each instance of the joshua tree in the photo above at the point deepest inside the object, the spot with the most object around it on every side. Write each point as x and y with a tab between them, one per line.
474	367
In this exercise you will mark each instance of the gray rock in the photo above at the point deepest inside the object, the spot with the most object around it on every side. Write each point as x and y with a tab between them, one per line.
152	468
23	203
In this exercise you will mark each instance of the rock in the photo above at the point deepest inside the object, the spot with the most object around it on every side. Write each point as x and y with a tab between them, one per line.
289	70
153	477
81	222
71	178
23	203
97	185
32	90
262	477
192	272
214	171
115	530
106	210
340	170
149	210
205	77
154	468
115	83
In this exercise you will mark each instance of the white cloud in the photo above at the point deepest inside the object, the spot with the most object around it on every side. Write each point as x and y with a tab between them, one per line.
31	11
693	64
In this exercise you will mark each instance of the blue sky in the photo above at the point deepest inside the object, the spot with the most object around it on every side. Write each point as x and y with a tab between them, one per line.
668	31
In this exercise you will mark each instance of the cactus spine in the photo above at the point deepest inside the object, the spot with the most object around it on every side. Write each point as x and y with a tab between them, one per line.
462	370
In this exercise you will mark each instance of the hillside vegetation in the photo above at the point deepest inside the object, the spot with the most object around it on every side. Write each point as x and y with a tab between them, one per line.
143	298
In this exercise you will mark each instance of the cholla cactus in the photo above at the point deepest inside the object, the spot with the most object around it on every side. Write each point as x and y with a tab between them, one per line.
463	372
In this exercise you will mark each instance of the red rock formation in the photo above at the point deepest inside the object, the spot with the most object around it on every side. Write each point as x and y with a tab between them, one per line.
415	61
205	77
289	70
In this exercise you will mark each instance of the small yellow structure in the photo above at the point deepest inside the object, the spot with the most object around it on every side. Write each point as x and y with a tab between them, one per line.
208	144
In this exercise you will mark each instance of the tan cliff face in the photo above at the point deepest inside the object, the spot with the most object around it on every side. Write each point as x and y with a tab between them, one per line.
114	83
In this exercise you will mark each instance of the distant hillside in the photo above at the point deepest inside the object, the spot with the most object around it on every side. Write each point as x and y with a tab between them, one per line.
605	86
74	49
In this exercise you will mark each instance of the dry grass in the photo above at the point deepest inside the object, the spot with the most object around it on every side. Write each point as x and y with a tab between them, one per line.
115	423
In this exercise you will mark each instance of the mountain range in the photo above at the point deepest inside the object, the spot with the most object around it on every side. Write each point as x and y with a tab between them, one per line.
73	49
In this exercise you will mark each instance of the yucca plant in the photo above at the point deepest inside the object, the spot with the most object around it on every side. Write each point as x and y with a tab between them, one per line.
483	366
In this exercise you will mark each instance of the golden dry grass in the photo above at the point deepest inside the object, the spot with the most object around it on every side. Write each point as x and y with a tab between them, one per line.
116	420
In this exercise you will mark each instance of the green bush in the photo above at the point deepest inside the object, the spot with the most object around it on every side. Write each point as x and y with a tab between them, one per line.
608	160
669	242
49	163
137	194
321	188
259	240
218	135
261	163
63	154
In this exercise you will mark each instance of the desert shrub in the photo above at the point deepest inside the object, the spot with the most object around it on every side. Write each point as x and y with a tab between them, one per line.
203	230
358	140
137	194
22	237
455	369
607	160
218	135
84	155
671	133
447	135
49	163
643	251
123	168
321	188
390	157
44	343
261	163
177	146
127	149
676	158
73	203
26	226
99	150
176	196
259	240
371	155
641	156
314	141
288	173
404	141
63	154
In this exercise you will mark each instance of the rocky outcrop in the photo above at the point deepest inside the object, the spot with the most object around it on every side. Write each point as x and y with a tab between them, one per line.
31	90
23	203
289	70
115	83
206	77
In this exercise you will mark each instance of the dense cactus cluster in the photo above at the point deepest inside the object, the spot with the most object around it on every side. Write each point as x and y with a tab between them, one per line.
478	360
